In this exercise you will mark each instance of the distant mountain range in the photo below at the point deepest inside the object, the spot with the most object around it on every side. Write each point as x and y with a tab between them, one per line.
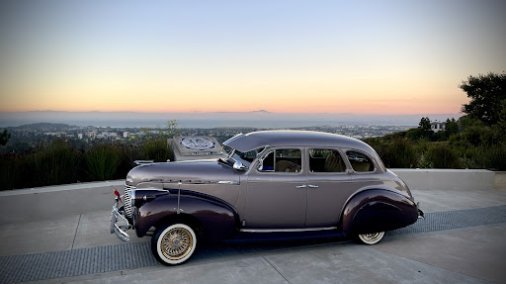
258	119
45	126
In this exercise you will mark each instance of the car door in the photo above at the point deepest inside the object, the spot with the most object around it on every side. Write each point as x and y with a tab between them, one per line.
276	191
329	184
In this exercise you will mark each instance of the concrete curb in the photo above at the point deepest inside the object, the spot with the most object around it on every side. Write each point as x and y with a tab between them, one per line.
63	187
36	204
447	179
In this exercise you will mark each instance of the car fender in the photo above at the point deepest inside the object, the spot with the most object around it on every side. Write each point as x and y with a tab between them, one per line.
213	217
375	210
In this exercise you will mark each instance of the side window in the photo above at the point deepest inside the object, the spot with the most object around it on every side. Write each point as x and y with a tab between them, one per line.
325	161
360	162
268	163
282	160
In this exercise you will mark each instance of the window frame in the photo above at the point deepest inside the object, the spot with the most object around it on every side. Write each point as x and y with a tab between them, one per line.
371	160
273	150
346	165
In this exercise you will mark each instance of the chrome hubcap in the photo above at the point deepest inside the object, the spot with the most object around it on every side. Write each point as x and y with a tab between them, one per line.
176	243
371	237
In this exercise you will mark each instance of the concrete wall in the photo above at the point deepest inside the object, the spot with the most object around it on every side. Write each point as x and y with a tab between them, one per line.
447	179
46	203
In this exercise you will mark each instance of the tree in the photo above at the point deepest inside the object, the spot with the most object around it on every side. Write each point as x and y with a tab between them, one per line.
488	96
172	128
424	124
4	137
424	128
452	127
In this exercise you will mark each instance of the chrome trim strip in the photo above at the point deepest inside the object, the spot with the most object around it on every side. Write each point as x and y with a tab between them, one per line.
226	182
288	230
178	198
231	182
150	189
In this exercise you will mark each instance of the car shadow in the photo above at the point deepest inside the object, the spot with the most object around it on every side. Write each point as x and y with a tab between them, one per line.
248	245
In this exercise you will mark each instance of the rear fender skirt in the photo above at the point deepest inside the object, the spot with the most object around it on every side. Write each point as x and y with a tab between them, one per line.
377	210
215	219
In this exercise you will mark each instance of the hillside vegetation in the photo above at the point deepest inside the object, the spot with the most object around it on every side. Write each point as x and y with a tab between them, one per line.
476	140
467	143
61	162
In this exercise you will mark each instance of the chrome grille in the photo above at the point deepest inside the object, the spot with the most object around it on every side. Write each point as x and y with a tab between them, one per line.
127	201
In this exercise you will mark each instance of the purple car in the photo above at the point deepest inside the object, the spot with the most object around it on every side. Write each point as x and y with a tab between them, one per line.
269	182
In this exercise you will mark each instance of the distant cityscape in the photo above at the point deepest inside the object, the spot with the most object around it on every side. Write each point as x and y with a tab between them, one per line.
31	135
253	119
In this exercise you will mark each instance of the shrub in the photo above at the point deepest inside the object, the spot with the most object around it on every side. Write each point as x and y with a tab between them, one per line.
400	154
9	176
57	163
129	153
157	150
496	156
102	161
442	156
396	152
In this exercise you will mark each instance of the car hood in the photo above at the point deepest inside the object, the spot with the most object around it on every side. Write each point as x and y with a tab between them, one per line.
195	172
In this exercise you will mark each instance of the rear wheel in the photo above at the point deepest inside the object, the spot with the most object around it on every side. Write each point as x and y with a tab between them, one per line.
371	238
173	244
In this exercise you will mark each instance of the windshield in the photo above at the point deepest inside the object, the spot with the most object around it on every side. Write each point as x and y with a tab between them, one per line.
245	158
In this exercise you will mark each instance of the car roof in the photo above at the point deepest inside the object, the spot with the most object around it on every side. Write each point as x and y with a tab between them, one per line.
273	138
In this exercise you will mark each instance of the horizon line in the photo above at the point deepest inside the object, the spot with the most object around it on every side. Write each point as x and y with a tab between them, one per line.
229	112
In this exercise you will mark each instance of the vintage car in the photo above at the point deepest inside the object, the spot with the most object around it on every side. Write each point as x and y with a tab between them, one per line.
269	181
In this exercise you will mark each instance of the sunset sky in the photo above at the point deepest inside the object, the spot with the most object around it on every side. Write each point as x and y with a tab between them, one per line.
362	57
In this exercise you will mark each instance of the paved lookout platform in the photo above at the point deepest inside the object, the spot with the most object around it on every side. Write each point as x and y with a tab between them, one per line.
61	234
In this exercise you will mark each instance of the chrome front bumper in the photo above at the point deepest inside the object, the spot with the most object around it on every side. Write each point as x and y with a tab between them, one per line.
421	215
119	224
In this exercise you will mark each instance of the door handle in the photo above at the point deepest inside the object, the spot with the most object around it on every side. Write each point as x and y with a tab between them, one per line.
307	185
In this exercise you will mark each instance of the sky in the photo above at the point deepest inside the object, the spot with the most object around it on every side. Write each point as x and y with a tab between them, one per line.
360	57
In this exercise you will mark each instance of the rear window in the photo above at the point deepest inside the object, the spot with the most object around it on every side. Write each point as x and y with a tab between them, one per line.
360	162
325	161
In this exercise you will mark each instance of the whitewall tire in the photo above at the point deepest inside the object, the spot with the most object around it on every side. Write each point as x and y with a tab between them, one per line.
174	244
372	238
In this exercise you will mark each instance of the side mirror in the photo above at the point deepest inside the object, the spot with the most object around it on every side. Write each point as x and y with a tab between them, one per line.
239	166
260	165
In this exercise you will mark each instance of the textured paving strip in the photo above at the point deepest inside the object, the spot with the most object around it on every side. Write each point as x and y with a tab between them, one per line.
448	220
85	261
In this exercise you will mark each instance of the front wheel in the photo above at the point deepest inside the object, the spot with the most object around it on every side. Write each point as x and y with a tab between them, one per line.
174	244
372	238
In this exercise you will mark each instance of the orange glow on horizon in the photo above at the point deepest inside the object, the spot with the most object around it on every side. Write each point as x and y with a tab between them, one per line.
378	107
299	95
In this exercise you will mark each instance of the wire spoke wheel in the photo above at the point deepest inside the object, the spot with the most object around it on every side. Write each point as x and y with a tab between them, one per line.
371	238
174	244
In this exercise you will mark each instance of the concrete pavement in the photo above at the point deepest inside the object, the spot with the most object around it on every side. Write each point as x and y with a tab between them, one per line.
472	253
